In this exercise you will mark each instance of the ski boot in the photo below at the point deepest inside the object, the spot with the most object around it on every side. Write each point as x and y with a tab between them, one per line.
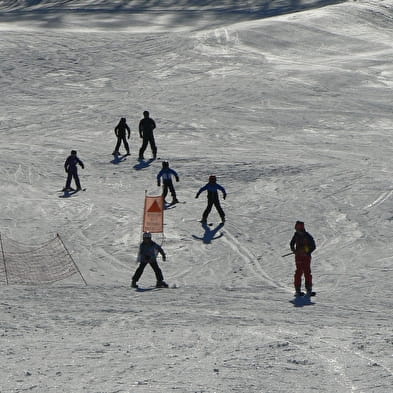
298	292
161	284
309	290
134	284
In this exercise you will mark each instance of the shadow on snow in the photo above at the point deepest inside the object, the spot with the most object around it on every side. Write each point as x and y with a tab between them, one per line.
209	234
143	164
195	13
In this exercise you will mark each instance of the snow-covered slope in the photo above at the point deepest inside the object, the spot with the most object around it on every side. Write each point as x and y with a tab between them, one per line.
291	110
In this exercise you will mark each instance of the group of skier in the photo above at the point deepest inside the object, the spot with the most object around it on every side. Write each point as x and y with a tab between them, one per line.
302	243
146	127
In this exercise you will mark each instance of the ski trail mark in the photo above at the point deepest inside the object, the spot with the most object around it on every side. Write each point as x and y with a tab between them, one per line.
249	258
381	199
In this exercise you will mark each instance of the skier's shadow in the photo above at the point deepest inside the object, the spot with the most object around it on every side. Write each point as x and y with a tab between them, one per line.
143	164
210	234
68	194
118	159
302	301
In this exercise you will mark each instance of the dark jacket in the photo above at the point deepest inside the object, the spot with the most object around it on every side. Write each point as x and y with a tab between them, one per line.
71	162
146	127
148	252
121	129
302	243
212	190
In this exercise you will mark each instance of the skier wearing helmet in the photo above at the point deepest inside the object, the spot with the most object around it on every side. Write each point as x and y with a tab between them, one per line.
146	127
120	131
70	166
148	251
212	198
166	174
302	245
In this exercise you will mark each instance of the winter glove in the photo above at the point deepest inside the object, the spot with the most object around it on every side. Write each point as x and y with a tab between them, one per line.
177	178
224	196
196	196
164	257
158	183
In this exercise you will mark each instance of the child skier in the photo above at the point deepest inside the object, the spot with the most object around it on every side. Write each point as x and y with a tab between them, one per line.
120	132
70	167
302	245
212	198
166	174
148	251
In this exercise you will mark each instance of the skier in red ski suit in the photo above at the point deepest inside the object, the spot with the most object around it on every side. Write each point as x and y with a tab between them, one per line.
302	245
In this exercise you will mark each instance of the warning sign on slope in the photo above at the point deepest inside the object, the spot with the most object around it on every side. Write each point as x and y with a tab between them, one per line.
153	217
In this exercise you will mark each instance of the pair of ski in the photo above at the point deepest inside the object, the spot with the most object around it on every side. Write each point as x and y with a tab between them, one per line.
306	294
146	289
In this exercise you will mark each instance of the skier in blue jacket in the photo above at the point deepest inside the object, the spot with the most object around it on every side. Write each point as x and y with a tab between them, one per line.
212	198
166	174
70	167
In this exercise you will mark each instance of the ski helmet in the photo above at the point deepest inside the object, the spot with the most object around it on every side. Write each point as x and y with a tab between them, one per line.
73	152
146	235
146	113
299	226
165	164
212	178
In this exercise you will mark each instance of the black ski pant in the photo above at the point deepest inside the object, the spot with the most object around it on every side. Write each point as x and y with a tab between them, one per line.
213	200
73	174
168	185
122	138
146	141
141	268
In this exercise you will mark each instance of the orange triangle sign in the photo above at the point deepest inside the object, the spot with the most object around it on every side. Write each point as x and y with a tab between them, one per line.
155	208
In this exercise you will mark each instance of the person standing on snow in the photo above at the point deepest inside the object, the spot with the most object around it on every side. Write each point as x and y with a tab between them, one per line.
166	174
146	127
302	245
120	132
212	198
70	167
148	251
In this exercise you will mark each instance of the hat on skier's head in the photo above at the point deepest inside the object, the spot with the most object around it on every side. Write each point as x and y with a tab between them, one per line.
299	226
146	113
165	164
146	235
73	152
212	178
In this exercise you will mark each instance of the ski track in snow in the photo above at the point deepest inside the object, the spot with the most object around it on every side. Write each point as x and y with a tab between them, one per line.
291	110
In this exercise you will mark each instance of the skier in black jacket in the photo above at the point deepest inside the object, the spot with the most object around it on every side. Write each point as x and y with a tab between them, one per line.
212	189
148	251
70	167
146	127
120	132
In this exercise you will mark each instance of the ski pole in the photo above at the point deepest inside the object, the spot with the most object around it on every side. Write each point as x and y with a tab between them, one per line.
285	255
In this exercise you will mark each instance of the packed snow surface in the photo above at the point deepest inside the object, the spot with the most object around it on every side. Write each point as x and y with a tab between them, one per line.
289	103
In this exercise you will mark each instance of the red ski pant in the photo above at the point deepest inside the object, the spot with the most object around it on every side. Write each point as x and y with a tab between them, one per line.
303	266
